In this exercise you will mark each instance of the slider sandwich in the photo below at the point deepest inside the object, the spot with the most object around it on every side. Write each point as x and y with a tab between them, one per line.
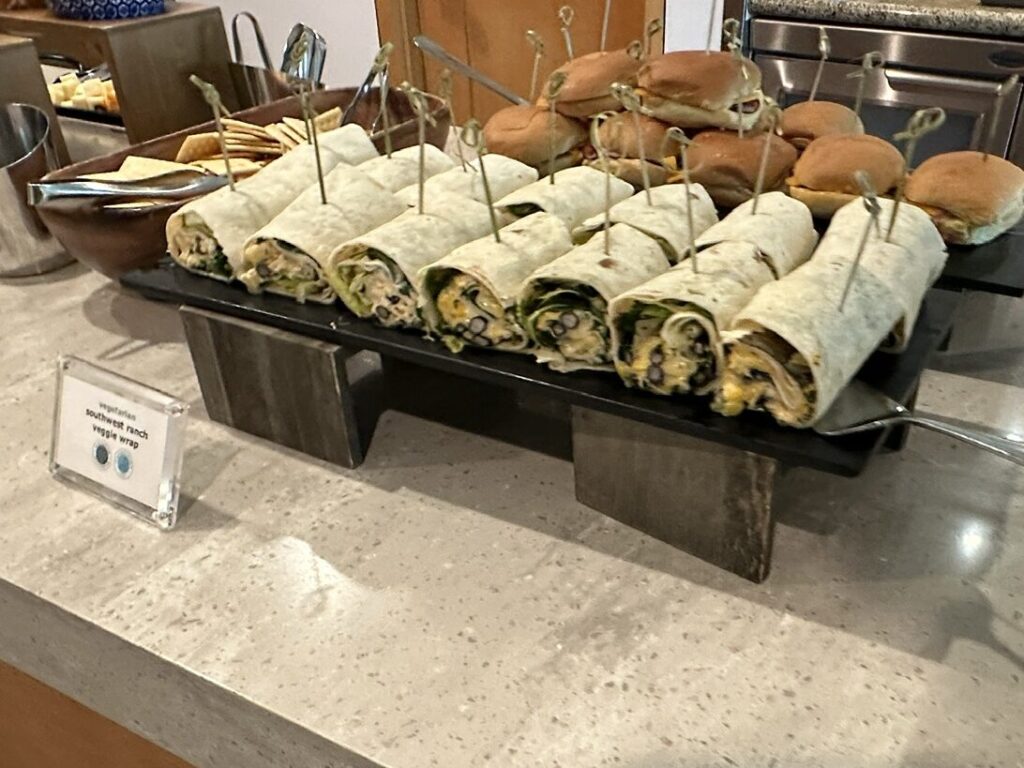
624	145
589	79
972	200
524	132
809	120
727	165
694	89
823	178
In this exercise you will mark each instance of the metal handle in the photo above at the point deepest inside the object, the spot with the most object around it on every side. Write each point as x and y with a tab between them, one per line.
1007	59
261	44
998	443
60	60
901	80
427	45
63	192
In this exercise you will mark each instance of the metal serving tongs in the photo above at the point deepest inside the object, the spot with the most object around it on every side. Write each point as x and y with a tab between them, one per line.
861	408
83	193
432	47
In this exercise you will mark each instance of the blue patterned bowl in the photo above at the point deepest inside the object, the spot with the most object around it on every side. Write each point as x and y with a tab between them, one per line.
106	9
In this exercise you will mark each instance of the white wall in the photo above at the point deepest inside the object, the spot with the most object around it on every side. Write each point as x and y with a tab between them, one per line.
686	24
349	26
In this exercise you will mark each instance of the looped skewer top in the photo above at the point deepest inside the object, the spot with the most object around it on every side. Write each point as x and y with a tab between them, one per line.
473	135
922	122
418	101
676	134
869	62
381	69
445	89
654	26
636	50
212	97
602	154
566	14
731	37
627	97
555	84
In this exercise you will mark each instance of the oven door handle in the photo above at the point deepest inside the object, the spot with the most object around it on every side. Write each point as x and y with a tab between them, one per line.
901	80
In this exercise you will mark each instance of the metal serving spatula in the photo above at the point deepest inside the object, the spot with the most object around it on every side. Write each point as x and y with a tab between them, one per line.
860	408
173	185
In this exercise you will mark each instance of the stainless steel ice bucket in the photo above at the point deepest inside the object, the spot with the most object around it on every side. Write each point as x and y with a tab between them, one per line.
26	154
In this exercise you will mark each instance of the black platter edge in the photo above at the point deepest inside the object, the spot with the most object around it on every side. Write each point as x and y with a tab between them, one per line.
896	375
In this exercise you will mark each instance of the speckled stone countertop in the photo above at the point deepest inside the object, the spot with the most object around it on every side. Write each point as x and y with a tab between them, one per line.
967	16
450	603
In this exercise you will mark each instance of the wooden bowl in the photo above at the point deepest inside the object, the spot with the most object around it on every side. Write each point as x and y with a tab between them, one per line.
116	240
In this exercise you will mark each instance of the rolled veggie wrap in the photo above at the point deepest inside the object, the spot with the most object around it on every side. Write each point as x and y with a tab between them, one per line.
469	296
349	142
403	167
664	219
666	333
289	255
564	304
908	265
577	194
504	174
206	236
378	274
782	229
792	350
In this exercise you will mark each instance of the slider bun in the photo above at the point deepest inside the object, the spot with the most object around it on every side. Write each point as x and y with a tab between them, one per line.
619	136
631	170
523	132
727	165
809	120
823	177
708	81
970	199
589	78
686	116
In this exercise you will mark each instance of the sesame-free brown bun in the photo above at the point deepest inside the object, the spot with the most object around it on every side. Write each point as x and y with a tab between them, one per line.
619	136
694	89
971	200
809	120
523	132
727	165
823	178
589	79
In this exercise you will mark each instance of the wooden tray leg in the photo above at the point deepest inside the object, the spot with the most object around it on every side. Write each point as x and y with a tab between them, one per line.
710	500
283	387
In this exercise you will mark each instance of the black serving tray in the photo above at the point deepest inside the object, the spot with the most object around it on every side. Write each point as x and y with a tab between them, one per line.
996	267
896	375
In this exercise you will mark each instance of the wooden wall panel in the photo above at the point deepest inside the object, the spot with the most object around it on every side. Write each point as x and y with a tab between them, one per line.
43	728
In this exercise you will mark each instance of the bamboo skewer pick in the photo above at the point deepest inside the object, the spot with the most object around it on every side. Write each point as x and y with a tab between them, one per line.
555	83
602	154
875	211
212	97
731	37
922	122
382	68
445	92
869	62
631	103
418	100
711	25
308	115
739	99
473	135
538	53
824	48
772	112
566	15
677	135
997	109
604	23
654	26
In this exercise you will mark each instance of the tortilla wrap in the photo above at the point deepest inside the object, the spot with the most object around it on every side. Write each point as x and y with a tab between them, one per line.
504	175
664	219
792	350
782	229
349	142
564	304
288	256
469	296
403	167
666	333
576	195
378	274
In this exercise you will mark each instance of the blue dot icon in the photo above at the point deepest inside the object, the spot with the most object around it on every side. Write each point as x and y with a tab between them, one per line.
101	454
123	463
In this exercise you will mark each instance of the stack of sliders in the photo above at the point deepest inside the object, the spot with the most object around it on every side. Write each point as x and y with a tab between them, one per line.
667	332
806	121
727	164
797	344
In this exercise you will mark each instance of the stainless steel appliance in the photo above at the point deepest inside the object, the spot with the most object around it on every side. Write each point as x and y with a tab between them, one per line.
960	74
